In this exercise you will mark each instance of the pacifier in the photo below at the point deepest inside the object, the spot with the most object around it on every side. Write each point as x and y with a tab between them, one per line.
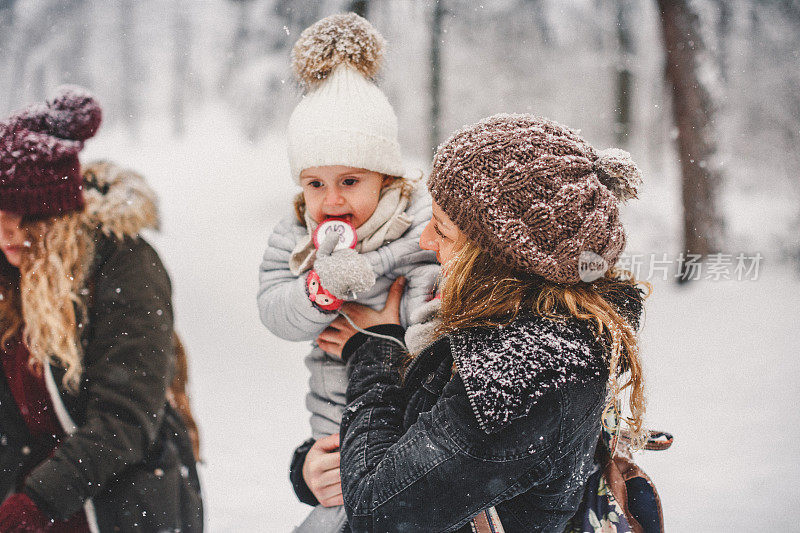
347	233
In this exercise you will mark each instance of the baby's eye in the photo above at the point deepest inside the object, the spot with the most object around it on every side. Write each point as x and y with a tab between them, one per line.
314	184
350	181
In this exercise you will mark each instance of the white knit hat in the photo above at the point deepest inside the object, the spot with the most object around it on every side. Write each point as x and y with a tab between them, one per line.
343	119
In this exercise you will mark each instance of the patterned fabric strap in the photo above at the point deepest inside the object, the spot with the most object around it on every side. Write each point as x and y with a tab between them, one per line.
487	521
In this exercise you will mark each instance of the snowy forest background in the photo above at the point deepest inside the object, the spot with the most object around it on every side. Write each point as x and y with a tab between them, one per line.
196	96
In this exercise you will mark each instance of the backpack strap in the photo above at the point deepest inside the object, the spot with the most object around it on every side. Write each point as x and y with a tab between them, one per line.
621	468
178	397
487	521
617	471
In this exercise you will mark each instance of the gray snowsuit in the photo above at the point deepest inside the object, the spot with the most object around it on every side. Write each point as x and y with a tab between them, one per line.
288	313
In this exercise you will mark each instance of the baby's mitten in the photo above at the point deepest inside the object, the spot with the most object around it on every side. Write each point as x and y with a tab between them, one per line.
321	298
422	331
343	273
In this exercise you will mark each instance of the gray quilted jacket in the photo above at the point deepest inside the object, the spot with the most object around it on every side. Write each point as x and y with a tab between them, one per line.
287	312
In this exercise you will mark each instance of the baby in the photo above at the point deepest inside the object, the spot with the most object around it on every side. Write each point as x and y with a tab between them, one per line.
344	153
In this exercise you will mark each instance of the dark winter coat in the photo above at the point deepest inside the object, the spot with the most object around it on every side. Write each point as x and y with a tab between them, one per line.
129	462
516	427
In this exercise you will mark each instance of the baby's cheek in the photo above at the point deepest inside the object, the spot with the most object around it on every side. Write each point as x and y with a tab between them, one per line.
315	212
366	210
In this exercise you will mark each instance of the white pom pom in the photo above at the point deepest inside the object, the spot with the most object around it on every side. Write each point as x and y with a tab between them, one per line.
333	41
617	171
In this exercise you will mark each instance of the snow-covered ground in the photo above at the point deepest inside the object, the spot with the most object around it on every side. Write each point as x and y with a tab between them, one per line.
720	356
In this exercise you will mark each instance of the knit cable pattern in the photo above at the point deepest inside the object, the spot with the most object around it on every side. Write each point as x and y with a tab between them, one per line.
527	189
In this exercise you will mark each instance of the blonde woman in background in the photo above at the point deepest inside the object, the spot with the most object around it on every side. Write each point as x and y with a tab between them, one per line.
89	441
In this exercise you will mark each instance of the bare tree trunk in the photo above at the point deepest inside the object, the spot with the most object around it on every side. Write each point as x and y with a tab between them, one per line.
359	7
624	82
180	59
128	69
791	125
693	113
537	7
297	17
6	33
25	43
236	47
72	17
724	24
435	68
6	17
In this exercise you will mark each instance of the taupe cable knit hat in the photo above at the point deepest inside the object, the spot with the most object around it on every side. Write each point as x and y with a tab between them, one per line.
535	194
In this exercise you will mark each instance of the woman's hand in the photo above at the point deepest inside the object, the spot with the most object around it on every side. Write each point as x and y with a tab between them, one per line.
321	471
335	336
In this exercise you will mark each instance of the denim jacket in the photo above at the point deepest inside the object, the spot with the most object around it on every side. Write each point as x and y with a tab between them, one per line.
515	427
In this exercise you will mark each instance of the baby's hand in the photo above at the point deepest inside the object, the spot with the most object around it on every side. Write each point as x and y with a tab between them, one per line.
320	297
343	273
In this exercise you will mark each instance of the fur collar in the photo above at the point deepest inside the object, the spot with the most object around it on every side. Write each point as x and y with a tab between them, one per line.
119	202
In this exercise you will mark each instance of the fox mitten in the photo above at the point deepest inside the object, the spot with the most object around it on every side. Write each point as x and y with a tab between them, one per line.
343	273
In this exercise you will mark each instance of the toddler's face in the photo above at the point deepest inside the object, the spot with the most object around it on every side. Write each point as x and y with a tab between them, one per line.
342	192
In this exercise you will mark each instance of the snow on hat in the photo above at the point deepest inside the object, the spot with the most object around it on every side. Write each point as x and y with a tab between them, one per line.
535	194
39	168
343	119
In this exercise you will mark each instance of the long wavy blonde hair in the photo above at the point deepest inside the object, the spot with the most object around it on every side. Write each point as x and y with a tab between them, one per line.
41	301
44	301
479	292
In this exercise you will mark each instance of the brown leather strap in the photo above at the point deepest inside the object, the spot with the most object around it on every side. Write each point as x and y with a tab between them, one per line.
487	521
480	524
616	472
178	396
622	467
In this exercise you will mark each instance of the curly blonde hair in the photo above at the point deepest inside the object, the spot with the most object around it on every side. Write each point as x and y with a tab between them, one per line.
478	292
42	302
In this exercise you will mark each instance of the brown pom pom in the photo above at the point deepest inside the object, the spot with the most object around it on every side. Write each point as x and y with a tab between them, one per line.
333	41
617	171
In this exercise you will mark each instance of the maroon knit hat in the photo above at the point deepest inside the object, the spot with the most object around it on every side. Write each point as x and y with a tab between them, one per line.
535	194
39	168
